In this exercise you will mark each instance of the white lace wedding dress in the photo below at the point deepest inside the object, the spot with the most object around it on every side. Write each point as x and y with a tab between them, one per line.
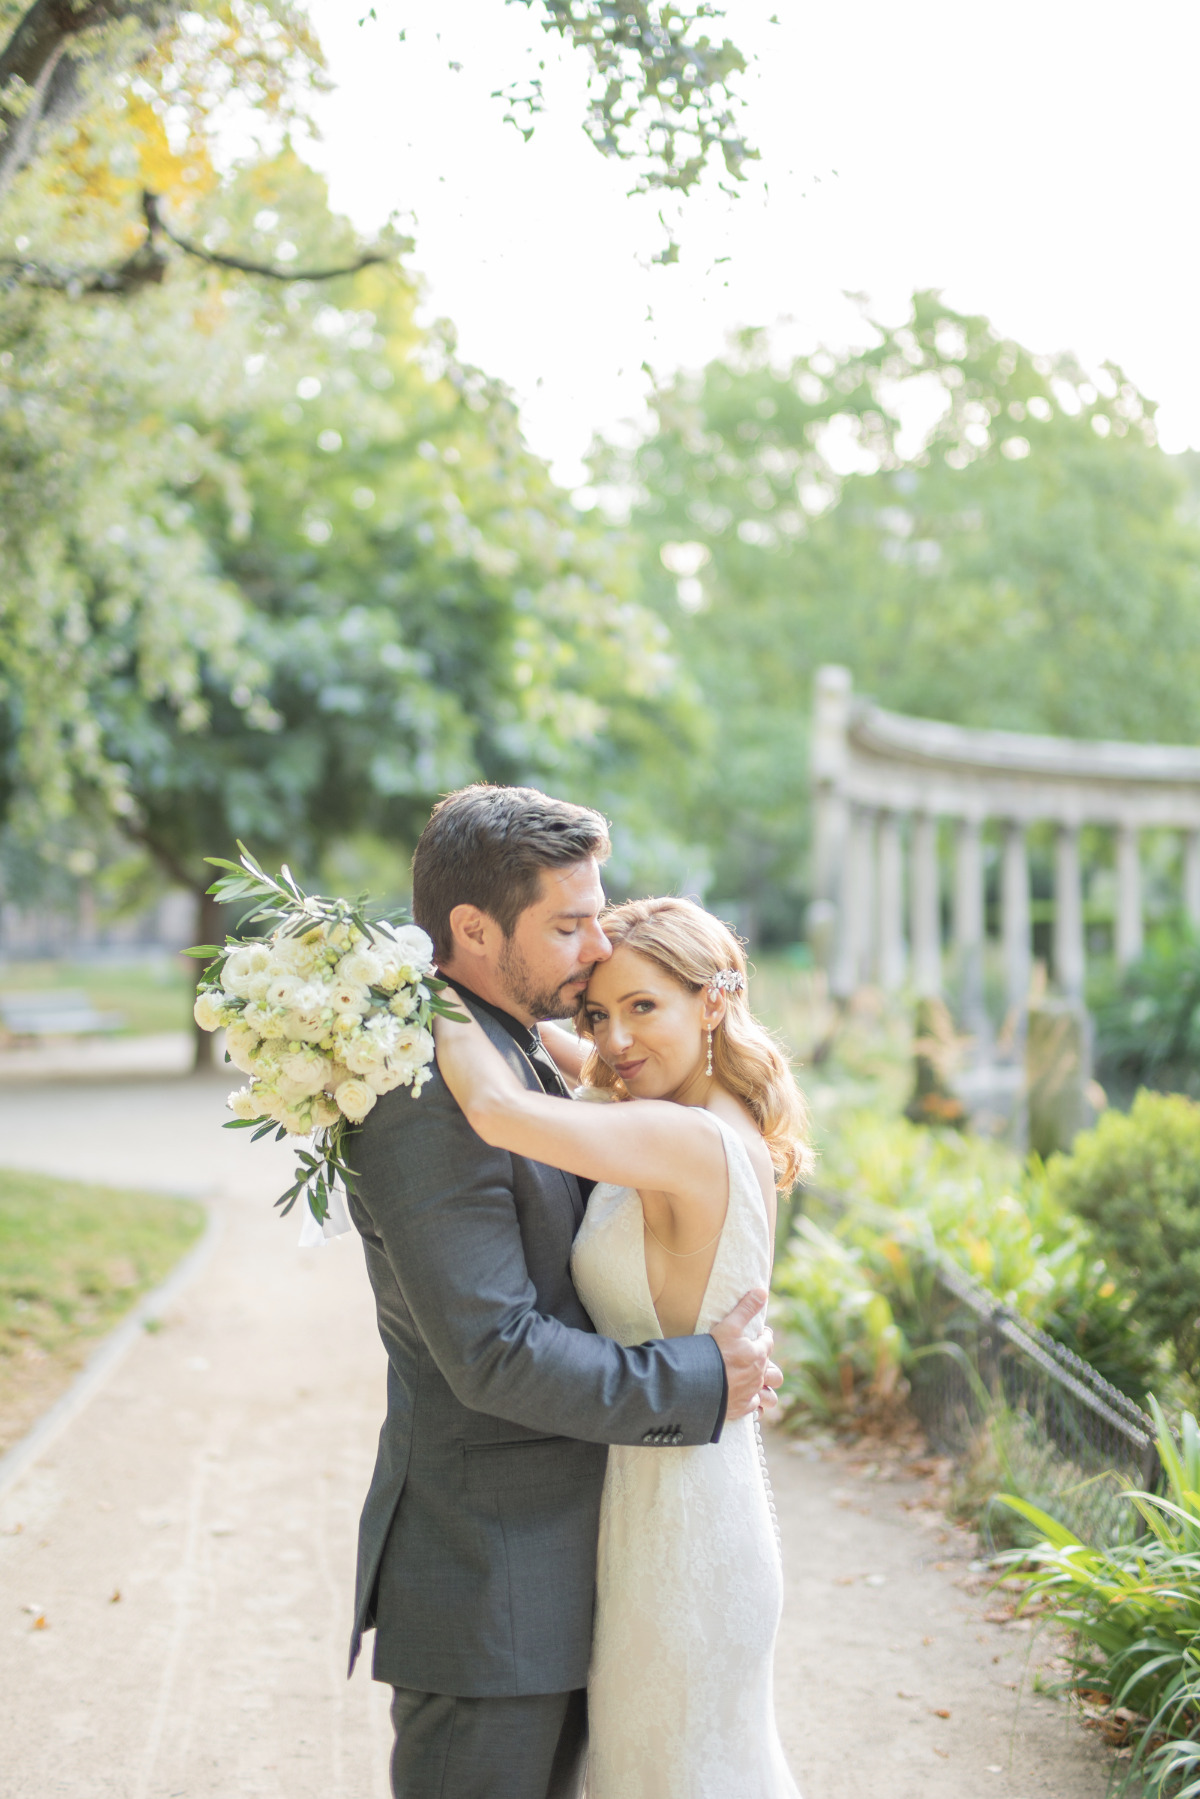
689	1584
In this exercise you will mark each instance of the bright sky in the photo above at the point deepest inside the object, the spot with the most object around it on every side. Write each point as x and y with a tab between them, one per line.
1038	162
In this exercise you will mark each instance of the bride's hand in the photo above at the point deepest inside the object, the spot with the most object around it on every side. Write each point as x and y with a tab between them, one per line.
472	1068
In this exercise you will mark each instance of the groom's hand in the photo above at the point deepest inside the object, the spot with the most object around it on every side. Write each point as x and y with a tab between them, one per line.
748	1367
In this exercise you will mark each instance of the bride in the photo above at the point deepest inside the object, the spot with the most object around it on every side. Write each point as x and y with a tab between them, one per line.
681	1224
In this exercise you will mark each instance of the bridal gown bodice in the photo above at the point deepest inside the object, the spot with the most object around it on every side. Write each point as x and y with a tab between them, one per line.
689	1585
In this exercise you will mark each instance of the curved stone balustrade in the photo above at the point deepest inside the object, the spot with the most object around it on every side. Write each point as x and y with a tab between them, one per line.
882	781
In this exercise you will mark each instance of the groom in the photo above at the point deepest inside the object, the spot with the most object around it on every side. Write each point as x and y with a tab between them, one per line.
477	1543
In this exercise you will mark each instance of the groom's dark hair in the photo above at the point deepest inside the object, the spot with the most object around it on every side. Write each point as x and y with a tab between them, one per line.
487	846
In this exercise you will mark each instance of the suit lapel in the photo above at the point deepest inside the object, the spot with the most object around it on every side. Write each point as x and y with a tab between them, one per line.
520	1063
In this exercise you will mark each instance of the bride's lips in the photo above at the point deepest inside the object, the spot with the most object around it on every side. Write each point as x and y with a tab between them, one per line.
627	1070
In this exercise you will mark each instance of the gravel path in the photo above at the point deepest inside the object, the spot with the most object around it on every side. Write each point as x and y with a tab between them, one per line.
189	1540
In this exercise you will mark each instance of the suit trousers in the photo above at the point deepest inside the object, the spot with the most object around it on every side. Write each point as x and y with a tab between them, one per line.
448	1747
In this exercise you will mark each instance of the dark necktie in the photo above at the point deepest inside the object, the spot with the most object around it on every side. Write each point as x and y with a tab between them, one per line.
547	1073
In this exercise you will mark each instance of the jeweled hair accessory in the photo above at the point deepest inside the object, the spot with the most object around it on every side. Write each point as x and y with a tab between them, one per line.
729	980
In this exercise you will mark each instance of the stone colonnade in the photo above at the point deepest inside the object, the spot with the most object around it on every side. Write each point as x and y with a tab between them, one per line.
882	782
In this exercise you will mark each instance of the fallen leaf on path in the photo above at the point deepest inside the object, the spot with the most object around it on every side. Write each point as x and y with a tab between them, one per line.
116	1596
939	1711
944	1753
40	1622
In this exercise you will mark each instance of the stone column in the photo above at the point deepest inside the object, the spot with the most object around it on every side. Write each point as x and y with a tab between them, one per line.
855	959
1191	876
890	888
1018	947
1068	913
1129	896
826	924
968	919
926	910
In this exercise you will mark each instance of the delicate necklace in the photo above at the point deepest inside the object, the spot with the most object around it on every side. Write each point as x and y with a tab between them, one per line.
681	1254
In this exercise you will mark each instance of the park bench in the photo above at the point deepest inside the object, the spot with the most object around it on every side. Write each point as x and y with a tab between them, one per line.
62	1012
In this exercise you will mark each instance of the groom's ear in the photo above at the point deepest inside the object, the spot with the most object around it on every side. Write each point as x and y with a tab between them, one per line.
475	932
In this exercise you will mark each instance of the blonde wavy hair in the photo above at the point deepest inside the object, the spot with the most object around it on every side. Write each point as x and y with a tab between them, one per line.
693	947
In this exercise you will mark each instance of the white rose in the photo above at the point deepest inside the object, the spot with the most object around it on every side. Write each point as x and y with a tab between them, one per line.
413	945
349	999
208	1011
245	1103
383	1078
241	1043
283	989
290	955
354	1099
256	986
307	1071
362	967
413	1047
292	1093
242	967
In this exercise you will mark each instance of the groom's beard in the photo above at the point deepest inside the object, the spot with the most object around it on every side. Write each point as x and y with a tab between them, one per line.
524	991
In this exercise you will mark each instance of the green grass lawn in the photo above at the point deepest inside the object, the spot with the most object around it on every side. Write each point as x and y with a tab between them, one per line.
155	996
73	1260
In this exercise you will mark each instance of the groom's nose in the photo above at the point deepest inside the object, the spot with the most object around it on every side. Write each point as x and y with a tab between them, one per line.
597	947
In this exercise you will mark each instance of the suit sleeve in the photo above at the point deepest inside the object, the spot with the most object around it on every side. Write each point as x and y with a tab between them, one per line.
441	1203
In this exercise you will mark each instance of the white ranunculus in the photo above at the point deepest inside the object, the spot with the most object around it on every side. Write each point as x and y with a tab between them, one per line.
257	985
242	967
208	1011
354	1099
362	966
241	1043
293	1093
245	1103
306	1070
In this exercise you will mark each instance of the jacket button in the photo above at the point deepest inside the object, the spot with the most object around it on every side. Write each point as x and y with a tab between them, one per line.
647	1436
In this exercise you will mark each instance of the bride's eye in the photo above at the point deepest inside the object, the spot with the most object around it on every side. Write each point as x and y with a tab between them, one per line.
643	1005
595	1018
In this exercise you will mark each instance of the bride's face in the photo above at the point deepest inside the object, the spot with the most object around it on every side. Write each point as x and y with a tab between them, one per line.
649	1029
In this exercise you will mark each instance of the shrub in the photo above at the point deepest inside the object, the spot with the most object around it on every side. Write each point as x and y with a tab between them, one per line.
1148	1026
1136	1179
836	1339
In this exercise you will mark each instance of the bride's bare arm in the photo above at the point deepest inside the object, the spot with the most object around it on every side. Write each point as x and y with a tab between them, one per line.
646	1143
567	1051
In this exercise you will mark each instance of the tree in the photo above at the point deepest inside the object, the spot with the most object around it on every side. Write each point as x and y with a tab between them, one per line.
1009	544
297	582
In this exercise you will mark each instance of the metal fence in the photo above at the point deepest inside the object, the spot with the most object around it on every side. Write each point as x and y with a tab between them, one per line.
1065	1437
989	1382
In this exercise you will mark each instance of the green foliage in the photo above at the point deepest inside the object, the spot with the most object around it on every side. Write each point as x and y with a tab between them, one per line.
836	1338
1001	506
661	95
1148	1021
1134	1609
1136	1179
908	1196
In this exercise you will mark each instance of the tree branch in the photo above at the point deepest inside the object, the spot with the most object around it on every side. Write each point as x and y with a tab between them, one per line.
148	264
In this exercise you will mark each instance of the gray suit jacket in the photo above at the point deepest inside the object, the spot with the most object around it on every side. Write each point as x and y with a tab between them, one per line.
477	1543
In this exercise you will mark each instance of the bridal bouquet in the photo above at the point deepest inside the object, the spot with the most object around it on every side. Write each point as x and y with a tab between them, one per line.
328	1010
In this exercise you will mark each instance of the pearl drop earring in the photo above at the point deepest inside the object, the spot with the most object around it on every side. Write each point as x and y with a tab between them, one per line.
708	1070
